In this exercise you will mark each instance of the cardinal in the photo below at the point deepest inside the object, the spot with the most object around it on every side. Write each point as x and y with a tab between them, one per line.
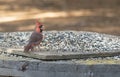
35	38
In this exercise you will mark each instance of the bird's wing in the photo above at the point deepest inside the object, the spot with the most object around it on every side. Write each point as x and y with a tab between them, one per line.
35	38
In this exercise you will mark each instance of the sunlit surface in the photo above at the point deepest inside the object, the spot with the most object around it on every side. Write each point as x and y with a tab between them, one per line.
13	16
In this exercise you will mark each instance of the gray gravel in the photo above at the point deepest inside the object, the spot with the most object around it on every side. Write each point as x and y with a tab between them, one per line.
64	41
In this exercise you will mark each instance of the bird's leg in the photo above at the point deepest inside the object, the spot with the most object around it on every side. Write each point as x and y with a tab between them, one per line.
32	48
39	47
36	48
37	44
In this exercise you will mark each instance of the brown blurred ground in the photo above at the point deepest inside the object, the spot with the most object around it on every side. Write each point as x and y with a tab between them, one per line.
82	15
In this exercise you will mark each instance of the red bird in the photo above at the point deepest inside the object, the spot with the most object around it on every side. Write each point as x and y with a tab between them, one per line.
35	38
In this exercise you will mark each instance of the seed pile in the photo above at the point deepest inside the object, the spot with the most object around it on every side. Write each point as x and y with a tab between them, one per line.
64	41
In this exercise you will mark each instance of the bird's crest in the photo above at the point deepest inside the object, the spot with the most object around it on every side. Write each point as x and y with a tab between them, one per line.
38	22
38	25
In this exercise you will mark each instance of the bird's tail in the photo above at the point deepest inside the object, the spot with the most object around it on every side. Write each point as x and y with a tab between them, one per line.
27	48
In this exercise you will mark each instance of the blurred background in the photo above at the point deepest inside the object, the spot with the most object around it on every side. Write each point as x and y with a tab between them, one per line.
101	16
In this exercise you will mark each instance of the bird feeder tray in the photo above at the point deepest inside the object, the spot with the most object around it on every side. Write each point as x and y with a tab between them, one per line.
54	55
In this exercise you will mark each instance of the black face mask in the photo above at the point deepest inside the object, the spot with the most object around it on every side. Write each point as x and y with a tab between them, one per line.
41	30
40	26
